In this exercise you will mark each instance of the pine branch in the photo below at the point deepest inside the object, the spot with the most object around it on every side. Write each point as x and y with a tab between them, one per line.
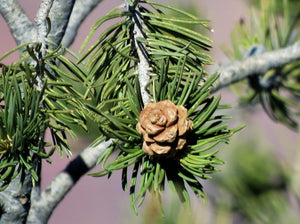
81	10
42	208
21	27
15	201
144	67
64	21
59	16
239	70
41	24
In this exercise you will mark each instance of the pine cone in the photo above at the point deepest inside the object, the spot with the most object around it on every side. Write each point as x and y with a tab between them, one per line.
163	126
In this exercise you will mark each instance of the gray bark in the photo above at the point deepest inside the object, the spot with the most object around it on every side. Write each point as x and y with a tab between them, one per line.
15	201
59	16
144	68
43	206
257	64
21	27
80	11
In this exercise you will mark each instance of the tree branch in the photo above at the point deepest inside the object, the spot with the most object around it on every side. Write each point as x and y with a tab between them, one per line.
59	16
42	208
239	70
64	21
15	201
41	24
144	67
80	11
19	23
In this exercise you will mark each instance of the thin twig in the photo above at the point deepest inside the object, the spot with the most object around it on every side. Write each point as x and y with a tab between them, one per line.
42	27
81	9
144	67
239	70
41	24
59	16
42	208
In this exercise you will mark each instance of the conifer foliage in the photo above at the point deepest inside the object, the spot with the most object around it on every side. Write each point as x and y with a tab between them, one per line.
174	57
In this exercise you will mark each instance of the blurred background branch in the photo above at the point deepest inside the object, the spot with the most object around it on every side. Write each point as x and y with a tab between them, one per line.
254	65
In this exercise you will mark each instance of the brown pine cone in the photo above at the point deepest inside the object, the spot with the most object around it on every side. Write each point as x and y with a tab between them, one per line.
163	126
